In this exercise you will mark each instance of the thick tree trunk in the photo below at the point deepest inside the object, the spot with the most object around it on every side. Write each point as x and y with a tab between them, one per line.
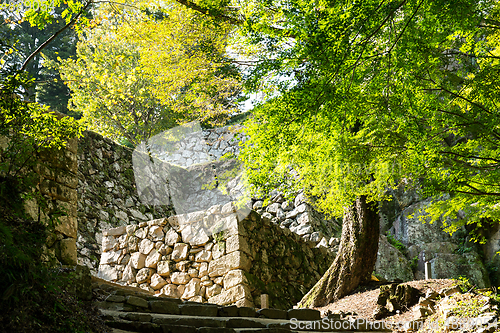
356	257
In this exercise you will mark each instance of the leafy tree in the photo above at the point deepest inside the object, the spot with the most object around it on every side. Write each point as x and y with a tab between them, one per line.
364	93
141	71
21	38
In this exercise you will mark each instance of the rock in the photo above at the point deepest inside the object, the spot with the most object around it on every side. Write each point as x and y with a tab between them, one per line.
152	259
304	314
143	275
273	208
156	233
322	243
304	229
192	289
411	231
286	206
316	236
391	264
157	282
180	278
200	238
115	231
203	270
110	257
205	310
107	272
165	307
172	237
193	272
228	209
380	312
141	233
219	250
170	290
128	274
164	268
146	246
137	260
108	242
180	252
272	313
213	290
237	242
234	277
258	205
67	252
235	260
231	295
267	217
203	255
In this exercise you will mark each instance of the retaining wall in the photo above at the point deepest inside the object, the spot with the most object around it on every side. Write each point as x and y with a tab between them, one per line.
187	257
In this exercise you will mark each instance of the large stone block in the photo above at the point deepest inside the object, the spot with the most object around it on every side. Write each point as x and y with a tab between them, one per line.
146	246
157	282
180	252
237	242
172	237
222	265
231	295
67	251
115	231
164	268
58	191
180	278
192	289
138	260
67	225
234	278
107	272
152	259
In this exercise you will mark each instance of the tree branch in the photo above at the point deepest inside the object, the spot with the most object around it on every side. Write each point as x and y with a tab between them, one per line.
47	42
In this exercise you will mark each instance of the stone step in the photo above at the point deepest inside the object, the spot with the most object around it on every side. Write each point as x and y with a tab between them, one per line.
161	323
135	310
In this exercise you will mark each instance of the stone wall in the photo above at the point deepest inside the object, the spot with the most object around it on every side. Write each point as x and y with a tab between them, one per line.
189	145
107	195
55	171
58	183
187	257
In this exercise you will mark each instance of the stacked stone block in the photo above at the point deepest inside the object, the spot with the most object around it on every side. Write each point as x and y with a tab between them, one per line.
57	169
107	195
187	257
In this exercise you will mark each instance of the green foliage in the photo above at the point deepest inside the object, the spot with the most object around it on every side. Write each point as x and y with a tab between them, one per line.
463	283
414	264
397	244
362	94
137	74
25	129
20	38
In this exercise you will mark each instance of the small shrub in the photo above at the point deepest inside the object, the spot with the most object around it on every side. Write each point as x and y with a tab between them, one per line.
397	244
463	283
414	263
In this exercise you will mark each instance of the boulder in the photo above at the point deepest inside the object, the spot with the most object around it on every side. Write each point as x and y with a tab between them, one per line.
391	264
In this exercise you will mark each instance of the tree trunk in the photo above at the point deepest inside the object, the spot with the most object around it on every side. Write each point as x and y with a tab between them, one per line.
356	257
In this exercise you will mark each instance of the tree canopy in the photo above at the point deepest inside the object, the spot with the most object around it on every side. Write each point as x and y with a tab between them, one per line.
365	93
141	70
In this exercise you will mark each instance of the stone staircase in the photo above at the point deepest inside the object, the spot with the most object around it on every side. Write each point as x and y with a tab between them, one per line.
129	309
